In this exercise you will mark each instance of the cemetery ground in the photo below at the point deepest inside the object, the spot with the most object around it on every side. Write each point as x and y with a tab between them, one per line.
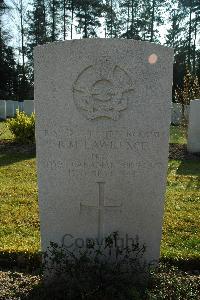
20	237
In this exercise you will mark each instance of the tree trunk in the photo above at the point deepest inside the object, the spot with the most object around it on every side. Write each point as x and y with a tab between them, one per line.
111	16
152	20
72	17
64	19
22	45
85	23
0	41
53	21
44	19
127	30
132	18
194	46
189	37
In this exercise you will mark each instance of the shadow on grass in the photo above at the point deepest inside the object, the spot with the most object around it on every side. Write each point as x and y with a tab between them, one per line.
9	158
163	282
29	262
21	261
189	168
29	283
189	264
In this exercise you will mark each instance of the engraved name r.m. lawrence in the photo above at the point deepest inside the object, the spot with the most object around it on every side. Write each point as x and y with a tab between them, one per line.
102	93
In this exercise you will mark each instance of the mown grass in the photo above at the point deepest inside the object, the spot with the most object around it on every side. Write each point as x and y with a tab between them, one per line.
19	231
178	135
181	230
5	133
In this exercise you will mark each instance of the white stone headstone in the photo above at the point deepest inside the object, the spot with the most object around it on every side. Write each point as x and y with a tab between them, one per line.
102	132
3	109
193	142
176	113
10	111
186	112
16	106
21	106
29	107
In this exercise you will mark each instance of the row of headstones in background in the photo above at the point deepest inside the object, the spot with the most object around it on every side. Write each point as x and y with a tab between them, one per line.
8	107
176	113
193	141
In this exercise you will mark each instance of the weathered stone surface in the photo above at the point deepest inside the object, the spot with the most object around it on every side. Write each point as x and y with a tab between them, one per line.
193	143
103	115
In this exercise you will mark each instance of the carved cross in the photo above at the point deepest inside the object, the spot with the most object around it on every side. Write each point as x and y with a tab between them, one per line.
100	208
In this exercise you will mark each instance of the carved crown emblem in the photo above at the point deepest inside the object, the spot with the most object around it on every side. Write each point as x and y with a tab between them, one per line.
101	92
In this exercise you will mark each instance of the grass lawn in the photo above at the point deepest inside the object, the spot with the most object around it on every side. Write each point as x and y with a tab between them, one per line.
19	207
181	230
178	135
5	133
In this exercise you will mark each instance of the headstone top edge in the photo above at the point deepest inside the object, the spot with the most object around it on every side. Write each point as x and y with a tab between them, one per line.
100	40
195	100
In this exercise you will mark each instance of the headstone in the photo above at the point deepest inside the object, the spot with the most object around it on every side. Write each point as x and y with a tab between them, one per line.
193	143
102	131
176	113
3	109
186	112
16	106
29	107
21	105
10	112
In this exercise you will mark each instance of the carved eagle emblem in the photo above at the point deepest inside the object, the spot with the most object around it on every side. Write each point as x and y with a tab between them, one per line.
102	94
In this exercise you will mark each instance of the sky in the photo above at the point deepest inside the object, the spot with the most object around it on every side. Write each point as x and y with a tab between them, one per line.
11	21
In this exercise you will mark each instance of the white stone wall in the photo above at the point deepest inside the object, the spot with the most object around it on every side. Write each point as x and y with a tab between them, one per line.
176	113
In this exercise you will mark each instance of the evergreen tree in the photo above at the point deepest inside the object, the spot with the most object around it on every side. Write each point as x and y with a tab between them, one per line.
37	31
130	12
8	73
67	12
54	19
112	18
174	34
66	7
152	16
88	13
175	39
22	69
190	9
